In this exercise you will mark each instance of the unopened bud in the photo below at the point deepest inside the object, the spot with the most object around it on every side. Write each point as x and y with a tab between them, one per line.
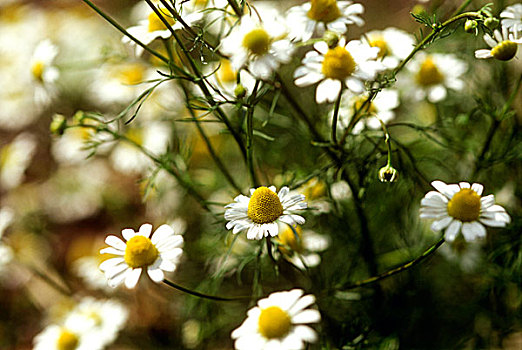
491	22
331	39
240	91
58	124
78	117
471	26
388	174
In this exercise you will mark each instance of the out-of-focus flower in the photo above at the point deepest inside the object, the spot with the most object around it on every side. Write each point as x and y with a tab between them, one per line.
466	255
87	268
433	75
347	65
259	45
156	254
6	253
278	322
394	45
512	17
225	79
460	207
261	212
303	20
301	247
55	337
504	47
14	160
43	72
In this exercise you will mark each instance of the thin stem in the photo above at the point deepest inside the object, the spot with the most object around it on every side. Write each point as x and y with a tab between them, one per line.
202	295
50	281
335	116
235	7
250	136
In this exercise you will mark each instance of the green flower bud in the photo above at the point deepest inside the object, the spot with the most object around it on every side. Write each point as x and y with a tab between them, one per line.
491	22
388	174
78	117
240	91
58	125
471	26
331	38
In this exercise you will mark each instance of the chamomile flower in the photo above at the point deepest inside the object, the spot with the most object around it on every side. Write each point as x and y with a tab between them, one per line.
14	160
56	337
394	45
318	15
434	74
278	322
512	17
43	72
153	27
161	252
259	45
224	80
503	47
460	208
348	64
261	212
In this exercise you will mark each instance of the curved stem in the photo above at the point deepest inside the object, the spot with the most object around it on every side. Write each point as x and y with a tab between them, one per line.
335	116
250	136
202	295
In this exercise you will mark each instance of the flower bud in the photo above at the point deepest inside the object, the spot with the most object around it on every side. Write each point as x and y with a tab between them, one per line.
78	117
388	174
491	22
471	26
331	38
240	91
58	124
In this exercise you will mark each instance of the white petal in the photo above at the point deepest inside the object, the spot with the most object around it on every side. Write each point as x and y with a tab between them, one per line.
156	275
145	230
302	304
109	263
477	188
132	277
483	53
327	90
452	230
161	233
306	333
473	230
441	224
447	190
128	233
307	316
111	250
115	242
487	201
490	41
464	185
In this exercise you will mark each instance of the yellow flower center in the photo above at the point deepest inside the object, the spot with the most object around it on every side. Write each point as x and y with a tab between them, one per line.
140	252
274	323
131	74
505	50
368	107
225	73
264	206
257	41
67	340
290	239
37	70
338	64
379	42
135	135
314	189
429	73
5	156
94	316
324	11
155	23
465	205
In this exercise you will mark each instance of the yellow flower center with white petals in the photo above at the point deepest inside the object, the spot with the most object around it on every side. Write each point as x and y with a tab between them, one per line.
505	50
257	41
369	107
131	74
290	239
155	23
274	323
37	70
384	49
135	135
225	73
140	252
264	206
67	340
465	205
429	74
324	11
338	64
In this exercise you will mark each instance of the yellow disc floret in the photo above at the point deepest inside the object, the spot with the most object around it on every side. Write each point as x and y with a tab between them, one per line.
505	50
379	42
290	238
324	10
131	74
429	74
225	73
135	135
155	23
37	70
338	64
264	206
465	205
274	323
67	340
257	41
140	252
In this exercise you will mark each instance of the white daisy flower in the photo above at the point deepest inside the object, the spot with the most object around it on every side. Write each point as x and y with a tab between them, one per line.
260	45
55	337
300	247
348	64
319	15
278	322
434	74
381	107
14	160
512	17
504	47
394	45
87	269
260	213
457	208
156	254
224	80
153	27
6	253
43	71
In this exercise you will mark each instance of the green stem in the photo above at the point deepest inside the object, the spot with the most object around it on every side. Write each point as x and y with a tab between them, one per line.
235	7
250	135
202	295
335	116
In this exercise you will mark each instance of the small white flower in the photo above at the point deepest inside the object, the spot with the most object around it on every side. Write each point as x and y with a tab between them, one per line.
14	160
394	45
156	254
55	337
434	74
460	207
512	17
87	269
318	15
260	213
504	47
153	27
6	253
43	71
259	45
278	322
224	80
348	64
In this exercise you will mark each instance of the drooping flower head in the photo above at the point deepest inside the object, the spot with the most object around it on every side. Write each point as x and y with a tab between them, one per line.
156	254
460	208
503	47
260	213
278	322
